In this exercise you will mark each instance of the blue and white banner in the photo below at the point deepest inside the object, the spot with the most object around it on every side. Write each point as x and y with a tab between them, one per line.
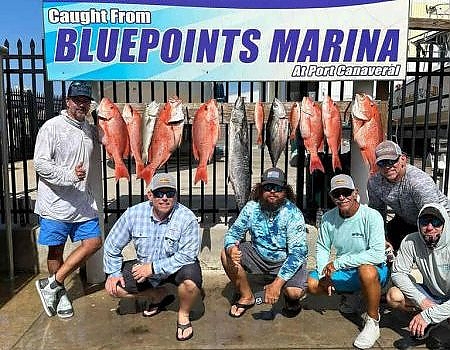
226	40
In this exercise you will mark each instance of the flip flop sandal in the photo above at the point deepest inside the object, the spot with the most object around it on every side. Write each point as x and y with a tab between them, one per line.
240	306
154	309
183	327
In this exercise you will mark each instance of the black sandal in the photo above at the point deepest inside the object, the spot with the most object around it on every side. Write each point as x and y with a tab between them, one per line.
183	327
153	309
240	306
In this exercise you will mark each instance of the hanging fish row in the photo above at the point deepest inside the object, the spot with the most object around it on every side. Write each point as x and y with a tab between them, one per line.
152	137
318	122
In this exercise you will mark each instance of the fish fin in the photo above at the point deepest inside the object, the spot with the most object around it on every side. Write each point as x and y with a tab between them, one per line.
147	174
201	174
121	171
336	161
315	164
292	136
127	149
195	151
139	169
259	140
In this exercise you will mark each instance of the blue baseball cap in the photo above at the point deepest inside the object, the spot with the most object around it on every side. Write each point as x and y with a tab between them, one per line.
80	88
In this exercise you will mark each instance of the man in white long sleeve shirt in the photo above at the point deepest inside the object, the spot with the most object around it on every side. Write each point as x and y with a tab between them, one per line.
65	202
429	250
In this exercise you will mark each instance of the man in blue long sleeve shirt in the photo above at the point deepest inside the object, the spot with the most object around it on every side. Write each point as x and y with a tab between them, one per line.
166	238
278	245
356	232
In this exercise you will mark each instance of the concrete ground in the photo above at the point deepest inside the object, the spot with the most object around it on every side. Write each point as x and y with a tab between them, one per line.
96	325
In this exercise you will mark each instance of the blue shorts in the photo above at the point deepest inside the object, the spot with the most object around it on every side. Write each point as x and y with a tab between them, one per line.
347	281
54	232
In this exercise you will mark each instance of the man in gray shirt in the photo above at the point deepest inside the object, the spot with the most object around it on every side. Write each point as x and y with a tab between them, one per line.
429	250
402	187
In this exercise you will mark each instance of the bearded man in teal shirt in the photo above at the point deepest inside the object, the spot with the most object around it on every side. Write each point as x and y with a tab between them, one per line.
278	246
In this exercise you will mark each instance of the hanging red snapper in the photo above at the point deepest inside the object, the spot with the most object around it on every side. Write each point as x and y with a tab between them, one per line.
114	136
332	128
311	129
205	133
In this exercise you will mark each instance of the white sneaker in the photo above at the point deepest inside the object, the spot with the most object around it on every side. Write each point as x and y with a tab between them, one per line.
369	335
48	291
351	303
64	308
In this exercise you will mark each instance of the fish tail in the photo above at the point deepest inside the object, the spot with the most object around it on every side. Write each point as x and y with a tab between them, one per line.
139	169
259	140
315	164
121	171
293	134
336	161
147	174
201	174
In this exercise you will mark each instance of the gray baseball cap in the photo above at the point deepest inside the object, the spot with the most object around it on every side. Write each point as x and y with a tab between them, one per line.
341	181
162	180
387	150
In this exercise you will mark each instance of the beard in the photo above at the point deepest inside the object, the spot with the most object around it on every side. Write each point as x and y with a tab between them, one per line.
271	206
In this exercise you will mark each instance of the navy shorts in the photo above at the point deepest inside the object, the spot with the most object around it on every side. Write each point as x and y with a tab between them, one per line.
253	263
191	272
54	232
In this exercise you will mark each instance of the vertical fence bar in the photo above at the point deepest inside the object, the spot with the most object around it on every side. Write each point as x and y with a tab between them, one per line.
4	143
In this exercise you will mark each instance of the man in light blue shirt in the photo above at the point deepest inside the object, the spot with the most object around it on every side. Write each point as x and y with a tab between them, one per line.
356	232
278	246
165	235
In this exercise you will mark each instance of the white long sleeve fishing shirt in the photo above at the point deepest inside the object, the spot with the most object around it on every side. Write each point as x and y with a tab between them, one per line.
61	144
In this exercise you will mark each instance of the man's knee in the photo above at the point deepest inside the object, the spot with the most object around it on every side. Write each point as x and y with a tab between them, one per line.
92	244
368	273
294	293
395	297
188	286
313	285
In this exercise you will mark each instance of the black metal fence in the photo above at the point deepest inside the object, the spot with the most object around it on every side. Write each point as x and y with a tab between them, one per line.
418	117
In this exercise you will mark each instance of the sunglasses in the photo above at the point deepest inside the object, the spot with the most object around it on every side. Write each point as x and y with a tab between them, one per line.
425	220
273	187
167	193
345	192
387	163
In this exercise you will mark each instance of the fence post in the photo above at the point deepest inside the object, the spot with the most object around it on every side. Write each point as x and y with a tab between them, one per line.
5	157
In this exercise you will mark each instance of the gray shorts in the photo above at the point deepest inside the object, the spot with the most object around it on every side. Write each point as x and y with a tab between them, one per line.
253	263
187	272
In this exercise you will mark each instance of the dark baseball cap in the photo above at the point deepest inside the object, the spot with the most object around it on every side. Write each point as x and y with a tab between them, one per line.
273	176
80	88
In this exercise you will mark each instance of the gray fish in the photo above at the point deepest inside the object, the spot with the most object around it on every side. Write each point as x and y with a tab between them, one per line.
150	114
239	154
277	131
